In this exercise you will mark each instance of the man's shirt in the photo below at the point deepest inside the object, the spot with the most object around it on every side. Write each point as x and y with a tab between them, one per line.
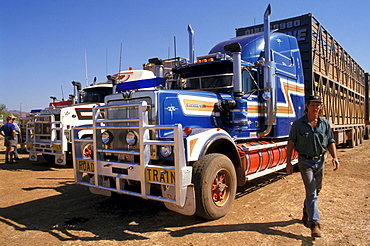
310	141
8	129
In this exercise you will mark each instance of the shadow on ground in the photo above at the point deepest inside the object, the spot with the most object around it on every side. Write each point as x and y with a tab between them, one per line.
125	218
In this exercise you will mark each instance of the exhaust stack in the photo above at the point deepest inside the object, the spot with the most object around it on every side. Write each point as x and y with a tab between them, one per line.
76	91
236	50
191	44
239	109
269	71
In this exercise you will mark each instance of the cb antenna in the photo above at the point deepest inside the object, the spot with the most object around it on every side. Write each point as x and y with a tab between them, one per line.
120	58
61	87
106	61
174	44
86	76
169	47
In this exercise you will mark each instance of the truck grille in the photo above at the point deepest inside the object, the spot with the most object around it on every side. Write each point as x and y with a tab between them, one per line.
119	141
44	125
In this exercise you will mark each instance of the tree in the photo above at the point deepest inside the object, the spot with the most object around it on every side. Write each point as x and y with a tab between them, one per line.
3	108
3	113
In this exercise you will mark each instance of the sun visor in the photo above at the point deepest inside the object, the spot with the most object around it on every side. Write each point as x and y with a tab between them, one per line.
139	84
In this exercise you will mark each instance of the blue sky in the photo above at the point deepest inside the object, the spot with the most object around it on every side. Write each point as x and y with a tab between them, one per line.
43	42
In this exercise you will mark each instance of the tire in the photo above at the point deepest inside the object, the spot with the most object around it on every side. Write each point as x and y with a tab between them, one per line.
215	182
357	135
367	132
87	149
361	138
352	139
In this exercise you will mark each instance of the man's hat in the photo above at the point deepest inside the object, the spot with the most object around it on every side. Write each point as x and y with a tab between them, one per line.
315	98
10	117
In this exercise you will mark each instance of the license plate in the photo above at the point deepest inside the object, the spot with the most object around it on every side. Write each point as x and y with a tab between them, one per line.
126	157
161	175
87	166
57	147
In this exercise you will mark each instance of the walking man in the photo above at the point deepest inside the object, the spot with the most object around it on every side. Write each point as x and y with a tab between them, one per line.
10	141
311	136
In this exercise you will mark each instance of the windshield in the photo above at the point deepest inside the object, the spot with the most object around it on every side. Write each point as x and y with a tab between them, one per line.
214	76
219	83
96	95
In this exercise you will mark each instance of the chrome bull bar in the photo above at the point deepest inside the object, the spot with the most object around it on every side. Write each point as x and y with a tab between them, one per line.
133	171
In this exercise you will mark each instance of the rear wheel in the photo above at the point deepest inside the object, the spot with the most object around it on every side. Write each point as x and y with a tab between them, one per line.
361	138
351	141
357	134
367	132
215	182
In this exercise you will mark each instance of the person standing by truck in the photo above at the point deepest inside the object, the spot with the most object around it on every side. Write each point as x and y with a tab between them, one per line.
311	136
18	135
18	132
8	130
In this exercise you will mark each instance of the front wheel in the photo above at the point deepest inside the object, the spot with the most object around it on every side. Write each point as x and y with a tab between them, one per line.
215	182
87	149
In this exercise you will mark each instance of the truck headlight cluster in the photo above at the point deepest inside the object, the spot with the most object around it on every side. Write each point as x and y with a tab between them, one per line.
131	138
107	137
166	151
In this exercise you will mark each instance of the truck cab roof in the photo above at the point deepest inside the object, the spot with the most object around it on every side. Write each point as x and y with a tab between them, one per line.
253	44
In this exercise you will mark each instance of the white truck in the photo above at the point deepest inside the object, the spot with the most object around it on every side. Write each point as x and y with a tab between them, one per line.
49	131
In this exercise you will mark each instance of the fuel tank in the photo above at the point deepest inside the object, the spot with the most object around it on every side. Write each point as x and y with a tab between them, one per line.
261	155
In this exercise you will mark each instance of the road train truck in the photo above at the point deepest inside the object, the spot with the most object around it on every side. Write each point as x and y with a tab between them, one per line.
49	132
190	139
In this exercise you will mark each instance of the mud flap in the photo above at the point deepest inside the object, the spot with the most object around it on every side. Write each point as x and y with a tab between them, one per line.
33	156
98	191
60	160
188	208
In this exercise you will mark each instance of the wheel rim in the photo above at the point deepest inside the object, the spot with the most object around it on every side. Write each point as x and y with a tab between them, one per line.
87	151
221	187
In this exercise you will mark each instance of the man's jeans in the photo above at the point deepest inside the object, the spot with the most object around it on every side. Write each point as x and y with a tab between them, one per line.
312	174
15	148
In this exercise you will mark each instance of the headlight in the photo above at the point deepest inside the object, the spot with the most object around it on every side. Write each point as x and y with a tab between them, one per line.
166	151
131	138
106	137
47	130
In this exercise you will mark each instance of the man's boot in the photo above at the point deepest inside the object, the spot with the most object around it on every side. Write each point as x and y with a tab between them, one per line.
12	157
315	230
7	156
305	219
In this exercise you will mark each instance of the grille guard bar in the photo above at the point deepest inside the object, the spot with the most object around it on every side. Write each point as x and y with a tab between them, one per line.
135	171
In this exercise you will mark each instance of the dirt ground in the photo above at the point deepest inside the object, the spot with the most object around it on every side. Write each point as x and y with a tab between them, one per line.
41	205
